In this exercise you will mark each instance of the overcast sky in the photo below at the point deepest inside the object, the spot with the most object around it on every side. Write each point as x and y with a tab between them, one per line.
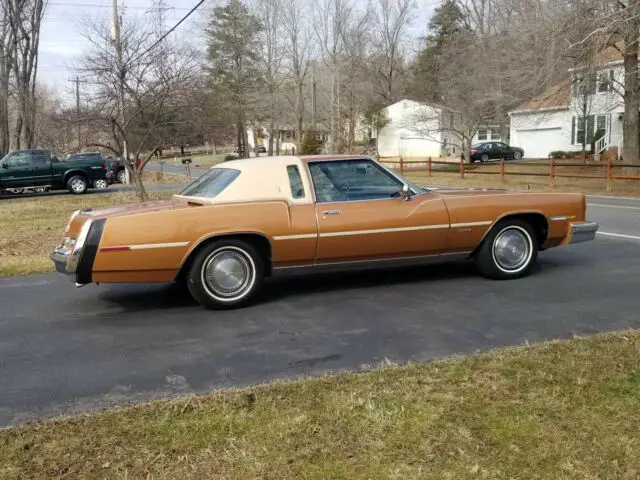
61	43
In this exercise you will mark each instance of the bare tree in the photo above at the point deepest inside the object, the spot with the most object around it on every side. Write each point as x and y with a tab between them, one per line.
271	60
6	50
331	20
391	19
297	30
356	87
157	85
25	17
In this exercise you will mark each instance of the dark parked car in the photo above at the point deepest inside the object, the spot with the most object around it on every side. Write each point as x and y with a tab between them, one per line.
484	152
116	170
39	170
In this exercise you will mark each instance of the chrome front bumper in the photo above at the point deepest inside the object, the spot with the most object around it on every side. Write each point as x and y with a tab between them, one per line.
60	258
583	232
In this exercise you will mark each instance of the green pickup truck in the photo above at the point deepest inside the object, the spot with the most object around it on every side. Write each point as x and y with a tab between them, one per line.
38	170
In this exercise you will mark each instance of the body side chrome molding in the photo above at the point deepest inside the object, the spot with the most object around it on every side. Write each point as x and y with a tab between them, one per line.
375	263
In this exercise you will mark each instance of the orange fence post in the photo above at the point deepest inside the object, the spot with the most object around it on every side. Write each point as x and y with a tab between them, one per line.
609	174
462	168
401	166
502	169
429	166
552	173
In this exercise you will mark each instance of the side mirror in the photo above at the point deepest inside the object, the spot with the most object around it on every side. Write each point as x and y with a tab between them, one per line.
406	193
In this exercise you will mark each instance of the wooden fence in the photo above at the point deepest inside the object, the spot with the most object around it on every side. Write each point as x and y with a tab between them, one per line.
515	168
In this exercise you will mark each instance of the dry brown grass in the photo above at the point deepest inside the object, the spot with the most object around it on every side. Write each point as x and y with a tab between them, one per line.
449	175
563	410
31	227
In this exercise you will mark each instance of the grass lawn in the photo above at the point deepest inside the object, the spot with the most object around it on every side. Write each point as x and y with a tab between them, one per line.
562	410
31	227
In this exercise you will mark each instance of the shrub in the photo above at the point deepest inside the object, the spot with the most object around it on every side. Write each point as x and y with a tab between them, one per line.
310	143
230	156
558	154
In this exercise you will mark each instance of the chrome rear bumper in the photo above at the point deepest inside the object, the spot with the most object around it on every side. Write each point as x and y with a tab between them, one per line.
583	232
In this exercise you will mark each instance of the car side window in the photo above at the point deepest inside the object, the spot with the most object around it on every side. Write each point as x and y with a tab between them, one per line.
19	160
352	180
40	158
295	180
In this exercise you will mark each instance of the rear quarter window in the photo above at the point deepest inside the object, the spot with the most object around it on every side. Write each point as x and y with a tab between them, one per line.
295	180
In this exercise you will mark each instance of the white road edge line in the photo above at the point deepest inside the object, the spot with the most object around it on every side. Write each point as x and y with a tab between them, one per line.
618	235
637	199
612	206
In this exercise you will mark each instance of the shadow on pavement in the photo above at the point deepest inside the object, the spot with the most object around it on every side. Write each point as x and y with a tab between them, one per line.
146	297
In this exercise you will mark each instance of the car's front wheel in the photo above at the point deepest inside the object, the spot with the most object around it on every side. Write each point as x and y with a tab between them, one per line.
484	158
121	177
509	251
226	274
517	155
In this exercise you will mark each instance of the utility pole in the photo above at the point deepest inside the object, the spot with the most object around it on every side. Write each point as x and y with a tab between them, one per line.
314	104
78	110
121	73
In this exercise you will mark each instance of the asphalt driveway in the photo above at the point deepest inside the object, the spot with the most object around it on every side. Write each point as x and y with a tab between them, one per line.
64	350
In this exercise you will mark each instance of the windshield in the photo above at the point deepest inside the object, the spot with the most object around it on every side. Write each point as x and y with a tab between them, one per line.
211	183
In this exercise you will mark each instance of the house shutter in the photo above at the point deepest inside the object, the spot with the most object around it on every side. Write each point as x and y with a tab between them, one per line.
573	130
611	80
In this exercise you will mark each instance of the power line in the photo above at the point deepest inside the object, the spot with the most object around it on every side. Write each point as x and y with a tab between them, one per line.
171	30
89	5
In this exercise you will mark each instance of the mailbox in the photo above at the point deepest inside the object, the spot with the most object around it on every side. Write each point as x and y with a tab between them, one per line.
186	161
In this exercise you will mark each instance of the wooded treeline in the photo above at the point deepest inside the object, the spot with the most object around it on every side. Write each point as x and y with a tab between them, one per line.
298	66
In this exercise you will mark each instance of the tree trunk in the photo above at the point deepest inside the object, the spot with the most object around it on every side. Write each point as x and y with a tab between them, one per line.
631	125
299	117
141	192
17	133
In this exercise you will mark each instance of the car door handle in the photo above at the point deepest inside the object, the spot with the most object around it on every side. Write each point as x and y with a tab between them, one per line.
331	212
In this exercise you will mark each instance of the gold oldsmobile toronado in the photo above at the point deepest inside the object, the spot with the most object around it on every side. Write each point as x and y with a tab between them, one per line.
245	220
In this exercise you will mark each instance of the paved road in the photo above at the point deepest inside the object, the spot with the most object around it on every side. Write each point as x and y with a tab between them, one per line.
65	350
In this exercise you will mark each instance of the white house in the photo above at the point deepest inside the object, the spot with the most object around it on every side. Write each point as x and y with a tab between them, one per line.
414	130
586	108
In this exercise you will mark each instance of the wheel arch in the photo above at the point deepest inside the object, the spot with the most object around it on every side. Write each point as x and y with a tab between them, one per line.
71	173
257	239
535	218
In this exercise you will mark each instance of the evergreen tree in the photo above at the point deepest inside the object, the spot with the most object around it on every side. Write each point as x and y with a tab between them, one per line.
446	25
233	46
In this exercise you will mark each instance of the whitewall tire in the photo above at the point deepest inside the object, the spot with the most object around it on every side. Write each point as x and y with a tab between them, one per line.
509	251
226	274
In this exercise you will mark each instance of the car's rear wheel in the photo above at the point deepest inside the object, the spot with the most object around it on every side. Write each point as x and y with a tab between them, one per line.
226	274
100	184
484	158
77	185
517	155
121	177
509	251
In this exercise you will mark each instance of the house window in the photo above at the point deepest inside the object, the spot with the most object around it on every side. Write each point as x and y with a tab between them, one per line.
482	134
605	81
585	132
495	135
584	84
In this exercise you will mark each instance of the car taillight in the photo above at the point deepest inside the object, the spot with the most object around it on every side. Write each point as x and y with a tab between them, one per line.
473	152
105	166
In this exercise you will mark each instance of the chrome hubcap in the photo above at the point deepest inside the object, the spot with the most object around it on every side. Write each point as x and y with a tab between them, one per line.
228	273
77	185
100	184
511	249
